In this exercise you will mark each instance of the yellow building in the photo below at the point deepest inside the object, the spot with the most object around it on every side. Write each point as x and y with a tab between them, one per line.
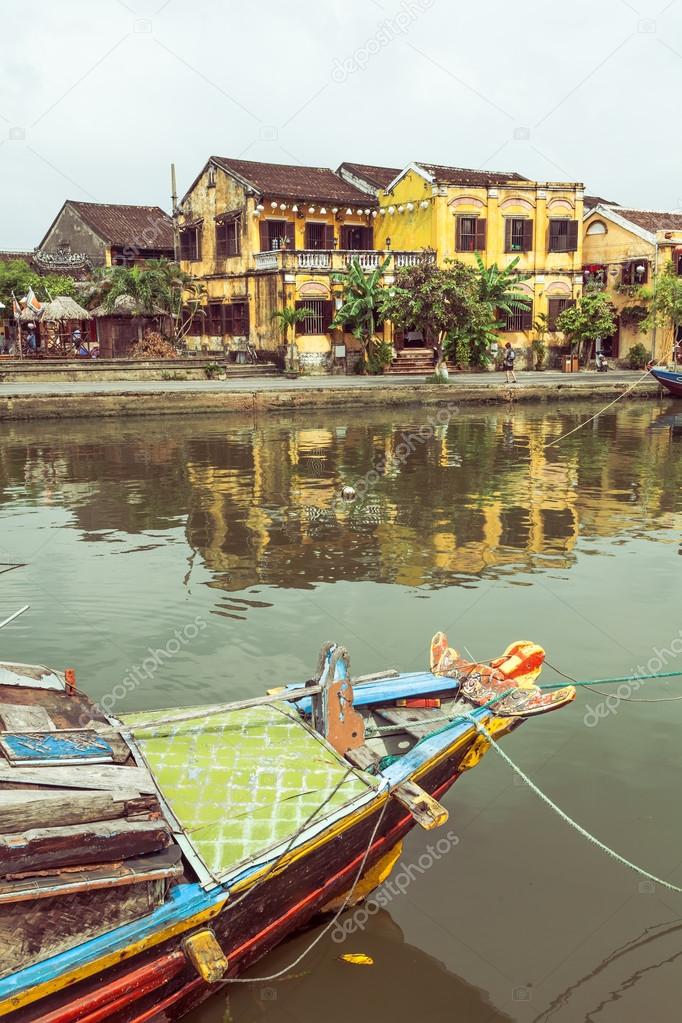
623	250
265	236
500	215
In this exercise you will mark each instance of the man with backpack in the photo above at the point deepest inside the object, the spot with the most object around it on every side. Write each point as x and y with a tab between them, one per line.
508	363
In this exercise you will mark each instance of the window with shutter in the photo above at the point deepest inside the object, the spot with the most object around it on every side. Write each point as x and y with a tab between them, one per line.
228	238
357	238
555	306
315	236
236	319
467	234
635	272
275	235
563	235
321	316
518	320
215	319
190	243
517	236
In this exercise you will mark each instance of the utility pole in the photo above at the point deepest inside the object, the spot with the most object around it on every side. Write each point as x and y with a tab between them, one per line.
175	211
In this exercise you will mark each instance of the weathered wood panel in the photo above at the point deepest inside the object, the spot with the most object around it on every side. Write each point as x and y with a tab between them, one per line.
103	842
17	717
86	777
42	808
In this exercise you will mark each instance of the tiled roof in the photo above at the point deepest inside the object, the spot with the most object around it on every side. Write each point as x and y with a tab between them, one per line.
284	181
8	256
590	201
378	177
146	227
652	220
467	176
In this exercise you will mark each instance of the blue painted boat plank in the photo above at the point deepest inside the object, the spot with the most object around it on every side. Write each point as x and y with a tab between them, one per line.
418	683
39	746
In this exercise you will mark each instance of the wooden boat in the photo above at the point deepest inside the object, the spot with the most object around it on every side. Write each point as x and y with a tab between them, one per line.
670	379
145	862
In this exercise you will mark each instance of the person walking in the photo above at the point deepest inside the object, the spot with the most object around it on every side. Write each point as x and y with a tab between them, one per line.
508	363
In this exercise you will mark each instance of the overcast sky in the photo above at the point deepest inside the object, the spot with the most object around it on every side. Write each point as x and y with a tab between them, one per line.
97	98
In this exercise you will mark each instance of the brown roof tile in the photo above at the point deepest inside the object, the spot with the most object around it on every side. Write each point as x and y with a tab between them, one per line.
468	176
8	256
590	201
378	177
147	227
285	181
652	220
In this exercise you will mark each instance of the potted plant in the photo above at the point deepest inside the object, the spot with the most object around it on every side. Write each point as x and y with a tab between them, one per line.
287	319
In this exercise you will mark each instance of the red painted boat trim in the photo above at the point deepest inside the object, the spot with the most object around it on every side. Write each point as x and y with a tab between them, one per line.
175	997
118	993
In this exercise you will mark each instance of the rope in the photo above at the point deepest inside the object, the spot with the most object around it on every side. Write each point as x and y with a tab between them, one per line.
564	816
623	678
328	927
575	429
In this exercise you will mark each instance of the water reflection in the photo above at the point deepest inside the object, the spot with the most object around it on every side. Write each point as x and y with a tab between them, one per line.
325	988
481	496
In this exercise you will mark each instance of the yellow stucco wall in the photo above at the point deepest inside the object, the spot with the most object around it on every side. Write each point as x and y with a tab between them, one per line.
416	214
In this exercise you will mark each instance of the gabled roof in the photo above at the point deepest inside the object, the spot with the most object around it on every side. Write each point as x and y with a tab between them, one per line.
377	177
146	227
291	181
440	174
120	224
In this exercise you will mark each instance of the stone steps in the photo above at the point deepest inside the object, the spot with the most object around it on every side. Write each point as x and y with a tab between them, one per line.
412	362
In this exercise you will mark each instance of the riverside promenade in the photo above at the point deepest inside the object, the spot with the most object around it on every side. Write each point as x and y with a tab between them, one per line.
76	399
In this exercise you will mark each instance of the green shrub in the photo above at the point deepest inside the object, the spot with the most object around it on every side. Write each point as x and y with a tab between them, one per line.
539	349
213	370
638	357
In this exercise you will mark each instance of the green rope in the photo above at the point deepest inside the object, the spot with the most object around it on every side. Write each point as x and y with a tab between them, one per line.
612	681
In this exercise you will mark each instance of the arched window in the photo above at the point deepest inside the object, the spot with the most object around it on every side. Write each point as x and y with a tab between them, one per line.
597	227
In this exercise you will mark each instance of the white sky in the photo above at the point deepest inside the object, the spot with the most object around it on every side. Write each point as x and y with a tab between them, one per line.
97	98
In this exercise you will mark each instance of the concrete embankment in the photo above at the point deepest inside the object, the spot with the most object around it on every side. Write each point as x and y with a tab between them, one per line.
253	397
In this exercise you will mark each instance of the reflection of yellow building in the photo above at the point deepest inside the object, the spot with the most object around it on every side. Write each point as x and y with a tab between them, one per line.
623	250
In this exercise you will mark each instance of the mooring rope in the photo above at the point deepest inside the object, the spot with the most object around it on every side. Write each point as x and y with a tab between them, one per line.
591	683
480	727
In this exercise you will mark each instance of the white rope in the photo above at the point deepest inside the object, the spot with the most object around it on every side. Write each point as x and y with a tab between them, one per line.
564	816
328	927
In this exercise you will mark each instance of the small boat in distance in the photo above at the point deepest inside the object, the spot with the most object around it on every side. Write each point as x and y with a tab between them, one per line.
144	862
671	379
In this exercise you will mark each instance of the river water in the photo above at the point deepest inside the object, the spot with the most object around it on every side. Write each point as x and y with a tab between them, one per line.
186	560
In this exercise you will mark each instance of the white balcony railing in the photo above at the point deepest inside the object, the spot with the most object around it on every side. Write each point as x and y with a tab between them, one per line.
367	258
267	260
407	259
314	259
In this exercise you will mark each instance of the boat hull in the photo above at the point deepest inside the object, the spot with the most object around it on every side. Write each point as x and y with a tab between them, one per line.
669	379
259	914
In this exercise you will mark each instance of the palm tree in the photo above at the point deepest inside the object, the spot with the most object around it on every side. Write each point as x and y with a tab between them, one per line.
287	319
363	296
498	288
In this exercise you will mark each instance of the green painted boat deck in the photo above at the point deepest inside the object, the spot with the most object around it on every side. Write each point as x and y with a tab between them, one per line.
244	782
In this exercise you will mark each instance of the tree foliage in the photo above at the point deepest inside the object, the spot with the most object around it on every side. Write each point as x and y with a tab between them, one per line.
664	299
498	288
592	318
16	276
362	305
286	320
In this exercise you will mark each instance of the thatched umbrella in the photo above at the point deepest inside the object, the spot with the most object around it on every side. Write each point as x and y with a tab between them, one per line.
59	309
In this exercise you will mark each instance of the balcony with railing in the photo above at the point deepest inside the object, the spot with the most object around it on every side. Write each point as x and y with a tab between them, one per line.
335	260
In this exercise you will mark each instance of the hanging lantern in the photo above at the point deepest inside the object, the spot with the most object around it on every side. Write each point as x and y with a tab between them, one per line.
401	209
382	212
256	212
311	209
274	205
391	210
323	210
282	205
335	209
260	207
349	212
410	207
424	204
374	213
294	208
367	212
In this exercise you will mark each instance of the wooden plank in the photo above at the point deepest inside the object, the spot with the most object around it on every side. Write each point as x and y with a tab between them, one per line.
55	748
426	810
155	866
363	757
78	844
39	808
86	777
17	717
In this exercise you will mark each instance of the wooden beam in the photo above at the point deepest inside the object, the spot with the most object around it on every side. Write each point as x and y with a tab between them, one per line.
426	810
42	848
84	777
39	808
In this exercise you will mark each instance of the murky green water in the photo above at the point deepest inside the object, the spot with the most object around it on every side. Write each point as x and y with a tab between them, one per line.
134	534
